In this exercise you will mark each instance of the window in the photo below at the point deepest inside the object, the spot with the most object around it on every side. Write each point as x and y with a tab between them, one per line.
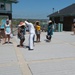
8	7
2	6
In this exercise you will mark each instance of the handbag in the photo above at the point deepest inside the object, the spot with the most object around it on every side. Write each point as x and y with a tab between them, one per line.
48	37
11	35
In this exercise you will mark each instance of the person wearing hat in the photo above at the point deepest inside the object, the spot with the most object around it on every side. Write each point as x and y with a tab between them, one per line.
31	34
7	30
38	31
21	31
49	31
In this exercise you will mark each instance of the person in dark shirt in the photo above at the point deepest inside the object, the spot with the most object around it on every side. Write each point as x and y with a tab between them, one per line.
21	33
49	31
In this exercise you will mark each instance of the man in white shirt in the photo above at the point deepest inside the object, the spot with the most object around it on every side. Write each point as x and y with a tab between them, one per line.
31	35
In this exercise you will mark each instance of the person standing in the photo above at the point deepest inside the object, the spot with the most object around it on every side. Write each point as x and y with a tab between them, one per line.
21	33
38	31
49	31
2	32
31	34
74	27
7	30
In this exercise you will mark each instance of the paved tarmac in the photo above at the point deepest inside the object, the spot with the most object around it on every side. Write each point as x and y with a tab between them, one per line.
48	58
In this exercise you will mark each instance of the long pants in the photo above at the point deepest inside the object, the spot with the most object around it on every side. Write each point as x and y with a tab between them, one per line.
31	41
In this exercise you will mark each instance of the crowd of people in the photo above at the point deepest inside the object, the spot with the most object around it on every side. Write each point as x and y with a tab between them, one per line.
34	30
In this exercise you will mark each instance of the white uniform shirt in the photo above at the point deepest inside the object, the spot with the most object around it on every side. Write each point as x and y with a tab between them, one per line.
31	27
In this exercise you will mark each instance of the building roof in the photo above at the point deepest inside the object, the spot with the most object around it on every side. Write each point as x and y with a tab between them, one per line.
68	11
12	1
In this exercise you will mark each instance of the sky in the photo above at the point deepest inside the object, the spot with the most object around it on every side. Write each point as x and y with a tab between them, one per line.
38	9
